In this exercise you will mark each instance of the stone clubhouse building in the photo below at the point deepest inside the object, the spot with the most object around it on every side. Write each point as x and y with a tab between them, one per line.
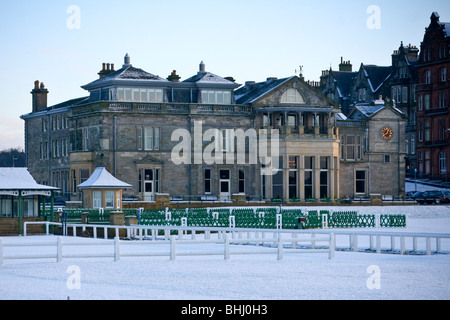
134	124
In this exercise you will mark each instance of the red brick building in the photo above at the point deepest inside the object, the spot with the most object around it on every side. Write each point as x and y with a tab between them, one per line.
433	96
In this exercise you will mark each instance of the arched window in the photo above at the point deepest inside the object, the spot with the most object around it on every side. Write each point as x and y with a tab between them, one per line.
292	96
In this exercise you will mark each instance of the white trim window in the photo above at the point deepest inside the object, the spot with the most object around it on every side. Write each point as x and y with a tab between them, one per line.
138	95
148	138
97	199
216	97
109	199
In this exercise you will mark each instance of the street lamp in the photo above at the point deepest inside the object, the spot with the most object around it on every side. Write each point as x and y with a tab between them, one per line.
415	179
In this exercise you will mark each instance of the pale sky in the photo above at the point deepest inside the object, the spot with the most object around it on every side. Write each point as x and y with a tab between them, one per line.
64	43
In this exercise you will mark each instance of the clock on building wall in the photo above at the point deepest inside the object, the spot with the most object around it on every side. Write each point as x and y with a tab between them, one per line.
386	133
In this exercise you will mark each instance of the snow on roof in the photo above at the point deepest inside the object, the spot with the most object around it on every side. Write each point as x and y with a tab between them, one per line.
101	178
19	179
127	73
208	77
246	95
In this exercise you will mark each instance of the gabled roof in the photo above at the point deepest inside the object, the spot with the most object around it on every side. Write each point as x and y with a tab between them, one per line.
368	111
251	92
376	75
20	179
344	80
101	178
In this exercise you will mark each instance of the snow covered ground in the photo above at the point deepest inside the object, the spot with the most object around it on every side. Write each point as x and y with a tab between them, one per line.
350	275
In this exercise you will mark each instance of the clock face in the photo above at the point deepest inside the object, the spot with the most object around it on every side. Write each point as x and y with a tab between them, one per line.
386	133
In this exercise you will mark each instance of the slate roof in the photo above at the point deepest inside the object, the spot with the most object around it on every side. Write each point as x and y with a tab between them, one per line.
101	178
70	103
376	75
126	73
368	111
344	80
20	179
208	77
249	93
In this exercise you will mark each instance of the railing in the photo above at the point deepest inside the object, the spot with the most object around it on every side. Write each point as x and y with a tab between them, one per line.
183	108
278	242
225	236
263	218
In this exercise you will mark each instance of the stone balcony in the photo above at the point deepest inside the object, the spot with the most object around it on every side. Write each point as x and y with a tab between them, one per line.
162	108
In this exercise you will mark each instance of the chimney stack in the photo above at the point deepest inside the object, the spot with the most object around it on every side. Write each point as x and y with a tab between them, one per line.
174	77
39	94
345	65
107	68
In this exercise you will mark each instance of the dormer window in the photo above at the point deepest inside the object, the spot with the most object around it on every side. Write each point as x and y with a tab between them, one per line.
292	96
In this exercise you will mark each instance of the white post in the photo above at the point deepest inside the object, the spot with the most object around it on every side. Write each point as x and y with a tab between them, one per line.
279	221
324	221
232	222
355	243
172	249
25	224
227	247
438	245
402	245
47	228
116	249
378	244
59	250
294	236
280	247
332	246
428	246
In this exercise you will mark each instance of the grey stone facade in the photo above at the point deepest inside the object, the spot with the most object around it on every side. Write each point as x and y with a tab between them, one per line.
130	122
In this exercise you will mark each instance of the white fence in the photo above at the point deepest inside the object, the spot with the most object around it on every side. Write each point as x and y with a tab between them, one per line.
170	249
273	241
